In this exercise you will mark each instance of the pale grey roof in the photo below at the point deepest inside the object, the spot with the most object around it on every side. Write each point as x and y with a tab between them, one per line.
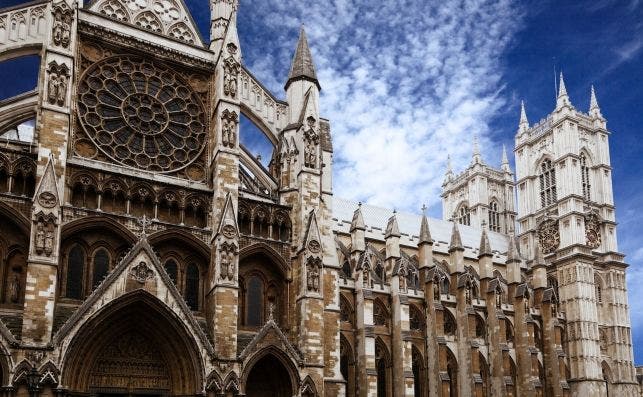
376	219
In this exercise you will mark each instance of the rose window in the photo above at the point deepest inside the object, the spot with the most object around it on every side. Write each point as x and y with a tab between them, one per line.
141	114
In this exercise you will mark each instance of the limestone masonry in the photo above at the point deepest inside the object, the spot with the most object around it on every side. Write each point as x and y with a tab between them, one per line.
145	251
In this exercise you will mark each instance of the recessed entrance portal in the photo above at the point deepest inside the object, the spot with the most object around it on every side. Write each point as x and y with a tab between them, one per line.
134	347
269	378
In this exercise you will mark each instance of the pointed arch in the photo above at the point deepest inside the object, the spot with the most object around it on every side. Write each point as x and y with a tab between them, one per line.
268	251
179	235
383	366
97	222
135	318
308	388
275	358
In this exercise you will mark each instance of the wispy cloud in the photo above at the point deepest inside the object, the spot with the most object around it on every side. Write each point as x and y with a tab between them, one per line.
404	84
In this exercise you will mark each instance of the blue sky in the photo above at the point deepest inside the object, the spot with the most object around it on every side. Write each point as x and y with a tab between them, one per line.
407	82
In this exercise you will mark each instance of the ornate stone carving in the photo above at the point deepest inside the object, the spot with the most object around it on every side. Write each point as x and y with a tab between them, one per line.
228	231
548	236
58	81
311	144
313	274
44	237
231	70
314	246
592	231
141	272
229	122
141	114
47	199
227	261
61	30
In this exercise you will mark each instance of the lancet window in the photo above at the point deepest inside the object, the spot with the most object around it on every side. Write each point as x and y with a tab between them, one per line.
494	217
547	183
584	174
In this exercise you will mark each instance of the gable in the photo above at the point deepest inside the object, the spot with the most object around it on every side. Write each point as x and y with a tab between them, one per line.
140	270
167	17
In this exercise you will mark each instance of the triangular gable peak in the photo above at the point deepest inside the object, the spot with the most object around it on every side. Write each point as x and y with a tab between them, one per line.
228	225
312	238
271	335
139	270
47	190
167	17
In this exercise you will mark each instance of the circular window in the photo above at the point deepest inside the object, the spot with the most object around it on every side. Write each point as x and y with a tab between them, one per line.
141	114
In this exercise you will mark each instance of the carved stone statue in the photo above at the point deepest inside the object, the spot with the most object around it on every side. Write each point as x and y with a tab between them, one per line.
229	128
436	291
57	86
49	240
230	75
61	30
14	289
40	238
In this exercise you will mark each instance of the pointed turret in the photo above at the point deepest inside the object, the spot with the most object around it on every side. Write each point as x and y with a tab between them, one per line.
392	228
523	125
594	109
425	233
222	12
539	268
539	259
358	219
505	160
302	67
512	251
448	175
476	158
485	246
358	231
456	240
563	98
392	237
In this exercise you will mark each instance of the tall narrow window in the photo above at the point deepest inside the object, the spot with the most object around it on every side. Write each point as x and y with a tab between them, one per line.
584	176
598	290
494	217
172	270
418	372
380	364
192	286
254	302
464	215
101	266
547	183
75	270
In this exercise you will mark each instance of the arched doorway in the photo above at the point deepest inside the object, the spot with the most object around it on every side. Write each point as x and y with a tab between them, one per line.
134	346
270	378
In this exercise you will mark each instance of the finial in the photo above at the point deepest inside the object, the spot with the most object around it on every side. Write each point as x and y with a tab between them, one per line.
563	98
476	150
594	109
144	224
392	228
423	209
524	122
271	312
456	239
505	159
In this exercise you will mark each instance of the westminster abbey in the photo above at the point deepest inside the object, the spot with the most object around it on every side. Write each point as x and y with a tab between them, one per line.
144	251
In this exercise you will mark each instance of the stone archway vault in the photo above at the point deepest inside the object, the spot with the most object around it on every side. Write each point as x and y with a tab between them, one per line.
134	346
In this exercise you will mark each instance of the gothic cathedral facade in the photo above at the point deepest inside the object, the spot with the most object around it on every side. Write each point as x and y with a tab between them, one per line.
145	251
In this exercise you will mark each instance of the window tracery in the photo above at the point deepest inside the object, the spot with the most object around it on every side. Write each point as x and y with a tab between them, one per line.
584	173
380	313
547	183
464	215
141	114
494	217
449	323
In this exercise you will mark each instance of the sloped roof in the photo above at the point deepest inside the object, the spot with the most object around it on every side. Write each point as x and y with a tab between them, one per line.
376	219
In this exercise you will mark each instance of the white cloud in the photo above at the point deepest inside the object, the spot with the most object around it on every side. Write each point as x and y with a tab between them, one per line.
404	84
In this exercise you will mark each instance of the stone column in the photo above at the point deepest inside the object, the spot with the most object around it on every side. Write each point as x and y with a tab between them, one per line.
52	135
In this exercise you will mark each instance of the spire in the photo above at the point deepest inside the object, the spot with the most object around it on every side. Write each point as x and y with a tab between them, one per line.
485	246
392	228
302	67
563	98
476	151
523	125
505	160
456	240
222	14
425	233
358	220
594	109
448	175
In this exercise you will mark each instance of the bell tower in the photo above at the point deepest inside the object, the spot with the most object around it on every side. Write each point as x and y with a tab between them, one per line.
566	207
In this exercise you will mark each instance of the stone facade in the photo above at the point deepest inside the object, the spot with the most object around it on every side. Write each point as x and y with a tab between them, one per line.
144	250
